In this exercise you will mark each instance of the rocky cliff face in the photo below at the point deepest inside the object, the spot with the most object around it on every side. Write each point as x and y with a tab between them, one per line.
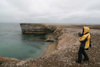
32	28
66	51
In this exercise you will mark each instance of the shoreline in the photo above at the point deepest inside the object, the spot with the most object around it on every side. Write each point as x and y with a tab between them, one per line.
66	53
51	45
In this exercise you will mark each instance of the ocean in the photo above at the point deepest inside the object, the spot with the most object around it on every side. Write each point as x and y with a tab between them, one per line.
16	45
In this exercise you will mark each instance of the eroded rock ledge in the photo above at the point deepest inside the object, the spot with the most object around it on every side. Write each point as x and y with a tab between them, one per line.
33	28
66	53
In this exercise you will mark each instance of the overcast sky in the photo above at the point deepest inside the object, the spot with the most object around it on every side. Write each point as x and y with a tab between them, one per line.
50	11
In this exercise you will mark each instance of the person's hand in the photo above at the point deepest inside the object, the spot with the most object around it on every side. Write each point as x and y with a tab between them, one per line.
79	34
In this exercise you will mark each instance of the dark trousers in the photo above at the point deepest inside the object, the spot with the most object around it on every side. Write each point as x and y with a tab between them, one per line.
80	53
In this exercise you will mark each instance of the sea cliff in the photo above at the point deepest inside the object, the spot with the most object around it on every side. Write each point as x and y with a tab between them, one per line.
65	53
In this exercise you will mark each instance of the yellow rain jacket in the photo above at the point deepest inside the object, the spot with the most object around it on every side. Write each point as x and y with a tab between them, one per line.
85	35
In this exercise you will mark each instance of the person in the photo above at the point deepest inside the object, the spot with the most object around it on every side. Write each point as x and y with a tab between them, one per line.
85	41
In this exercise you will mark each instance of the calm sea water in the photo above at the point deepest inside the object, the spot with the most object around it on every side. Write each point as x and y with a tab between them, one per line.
14	44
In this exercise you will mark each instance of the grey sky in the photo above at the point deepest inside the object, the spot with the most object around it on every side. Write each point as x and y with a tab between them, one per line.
50	11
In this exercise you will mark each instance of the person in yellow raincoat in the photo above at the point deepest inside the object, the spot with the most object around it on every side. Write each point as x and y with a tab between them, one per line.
84	39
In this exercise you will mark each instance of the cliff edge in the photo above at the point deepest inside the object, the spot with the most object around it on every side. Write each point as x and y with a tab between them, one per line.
65	53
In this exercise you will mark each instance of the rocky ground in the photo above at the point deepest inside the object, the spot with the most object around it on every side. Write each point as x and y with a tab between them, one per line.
65	53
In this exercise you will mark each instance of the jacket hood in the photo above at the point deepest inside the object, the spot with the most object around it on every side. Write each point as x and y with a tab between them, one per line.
86	30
